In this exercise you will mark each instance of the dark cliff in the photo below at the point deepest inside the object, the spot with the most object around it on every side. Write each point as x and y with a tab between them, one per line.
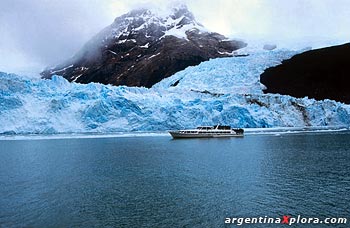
320	74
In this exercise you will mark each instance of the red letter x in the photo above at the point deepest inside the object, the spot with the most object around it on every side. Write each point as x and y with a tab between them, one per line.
285	219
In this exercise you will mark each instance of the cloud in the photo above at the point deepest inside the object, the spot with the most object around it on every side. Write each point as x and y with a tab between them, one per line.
40	33
44	32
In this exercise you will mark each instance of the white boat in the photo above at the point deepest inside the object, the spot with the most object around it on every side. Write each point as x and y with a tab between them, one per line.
208	132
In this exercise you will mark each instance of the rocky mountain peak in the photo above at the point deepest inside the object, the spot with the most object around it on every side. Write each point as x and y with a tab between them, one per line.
152	23
183	12
142	47
175	13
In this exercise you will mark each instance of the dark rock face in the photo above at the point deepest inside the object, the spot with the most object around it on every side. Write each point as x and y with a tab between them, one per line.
141	48
320	74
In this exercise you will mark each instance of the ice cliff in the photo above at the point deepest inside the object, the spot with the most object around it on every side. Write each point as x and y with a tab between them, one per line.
225	91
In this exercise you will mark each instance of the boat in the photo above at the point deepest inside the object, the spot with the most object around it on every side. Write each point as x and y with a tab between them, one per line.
208	132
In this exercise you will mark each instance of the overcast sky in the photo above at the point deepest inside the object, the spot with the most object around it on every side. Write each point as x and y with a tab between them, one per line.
38	33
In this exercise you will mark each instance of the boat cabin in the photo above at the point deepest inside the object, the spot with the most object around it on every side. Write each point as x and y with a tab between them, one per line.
205	128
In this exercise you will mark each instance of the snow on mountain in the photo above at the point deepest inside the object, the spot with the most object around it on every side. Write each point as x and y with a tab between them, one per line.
142	47
178	22
225	91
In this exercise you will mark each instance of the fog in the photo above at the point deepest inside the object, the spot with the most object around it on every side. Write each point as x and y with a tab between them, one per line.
39	33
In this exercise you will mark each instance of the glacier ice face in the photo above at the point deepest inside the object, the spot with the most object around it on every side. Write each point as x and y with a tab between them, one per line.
225	91
239	75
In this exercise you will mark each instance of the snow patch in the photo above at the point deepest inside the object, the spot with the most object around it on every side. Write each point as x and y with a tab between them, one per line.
63	69
145	46
112	52
152	56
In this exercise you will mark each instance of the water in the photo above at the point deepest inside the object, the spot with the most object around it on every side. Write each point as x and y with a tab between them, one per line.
159	182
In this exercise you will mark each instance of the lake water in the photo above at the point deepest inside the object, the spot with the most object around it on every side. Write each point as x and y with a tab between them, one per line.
159	182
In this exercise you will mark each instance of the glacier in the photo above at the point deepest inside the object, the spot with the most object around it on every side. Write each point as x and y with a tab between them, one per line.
225	91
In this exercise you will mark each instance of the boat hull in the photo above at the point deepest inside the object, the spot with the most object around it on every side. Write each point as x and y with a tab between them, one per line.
179	135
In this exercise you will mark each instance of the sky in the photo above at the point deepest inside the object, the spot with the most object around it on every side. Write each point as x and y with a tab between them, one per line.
39	33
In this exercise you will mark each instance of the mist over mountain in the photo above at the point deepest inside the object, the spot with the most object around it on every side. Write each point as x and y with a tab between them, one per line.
141	48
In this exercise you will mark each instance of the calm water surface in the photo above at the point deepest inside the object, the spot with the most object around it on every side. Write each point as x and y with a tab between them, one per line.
160	182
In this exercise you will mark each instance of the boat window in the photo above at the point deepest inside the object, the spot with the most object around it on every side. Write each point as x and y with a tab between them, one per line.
223	127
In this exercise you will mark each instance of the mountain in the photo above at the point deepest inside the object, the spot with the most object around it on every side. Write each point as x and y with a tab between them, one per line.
320	74
141	48
222	90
